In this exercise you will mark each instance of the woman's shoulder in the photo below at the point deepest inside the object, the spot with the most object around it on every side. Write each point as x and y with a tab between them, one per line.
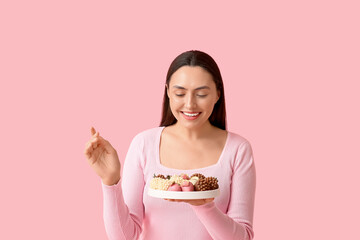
148	134
240	147
237	139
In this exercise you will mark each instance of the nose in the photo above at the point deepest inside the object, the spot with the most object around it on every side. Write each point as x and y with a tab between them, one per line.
190	102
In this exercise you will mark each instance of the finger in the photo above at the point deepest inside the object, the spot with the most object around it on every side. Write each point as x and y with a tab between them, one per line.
98	140
88	152
88	147
92	131
94	145
209	200
95	142
94	136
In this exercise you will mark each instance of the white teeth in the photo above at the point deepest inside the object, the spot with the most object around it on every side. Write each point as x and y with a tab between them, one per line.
191	114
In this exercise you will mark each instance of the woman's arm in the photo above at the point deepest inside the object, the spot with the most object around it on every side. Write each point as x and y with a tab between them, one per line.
122	202
237	223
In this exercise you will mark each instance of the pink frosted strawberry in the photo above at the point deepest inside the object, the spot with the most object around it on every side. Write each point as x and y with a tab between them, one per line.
175	187
187	186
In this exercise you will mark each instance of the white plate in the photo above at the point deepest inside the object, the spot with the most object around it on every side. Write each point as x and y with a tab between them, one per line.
183	195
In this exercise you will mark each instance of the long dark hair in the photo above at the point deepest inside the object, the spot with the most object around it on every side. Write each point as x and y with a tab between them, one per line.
201	59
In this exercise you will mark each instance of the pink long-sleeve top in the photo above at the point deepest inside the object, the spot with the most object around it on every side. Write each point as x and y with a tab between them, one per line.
130	213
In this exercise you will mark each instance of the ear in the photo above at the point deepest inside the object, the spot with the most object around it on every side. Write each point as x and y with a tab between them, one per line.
218	95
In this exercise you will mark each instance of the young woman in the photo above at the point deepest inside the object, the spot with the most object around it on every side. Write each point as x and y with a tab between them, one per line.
192	138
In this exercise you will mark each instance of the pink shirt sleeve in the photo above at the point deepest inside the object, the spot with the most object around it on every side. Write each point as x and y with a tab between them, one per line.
237	222
123	212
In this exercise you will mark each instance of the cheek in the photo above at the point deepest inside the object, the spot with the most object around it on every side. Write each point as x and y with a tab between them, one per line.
210	108
174	104
175	101
208	104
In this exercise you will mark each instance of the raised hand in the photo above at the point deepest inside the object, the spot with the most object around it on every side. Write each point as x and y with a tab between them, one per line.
103	158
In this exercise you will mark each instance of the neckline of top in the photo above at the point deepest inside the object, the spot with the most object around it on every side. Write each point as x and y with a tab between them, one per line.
157	143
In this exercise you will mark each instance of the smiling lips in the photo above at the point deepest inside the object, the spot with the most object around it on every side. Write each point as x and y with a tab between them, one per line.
191	115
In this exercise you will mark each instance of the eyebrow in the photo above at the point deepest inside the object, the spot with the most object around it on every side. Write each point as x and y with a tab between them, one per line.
199	88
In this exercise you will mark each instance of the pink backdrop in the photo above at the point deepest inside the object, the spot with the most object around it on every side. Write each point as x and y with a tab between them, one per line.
291	75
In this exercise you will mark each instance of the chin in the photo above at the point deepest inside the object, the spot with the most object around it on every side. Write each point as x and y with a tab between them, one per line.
191	125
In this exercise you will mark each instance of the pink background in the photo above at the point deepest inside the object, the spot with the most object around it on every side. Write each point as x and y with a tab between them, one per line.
291	74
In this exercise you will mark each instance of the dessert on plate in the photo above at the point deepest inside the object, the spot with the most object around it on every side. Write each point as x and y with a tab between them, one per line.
184	182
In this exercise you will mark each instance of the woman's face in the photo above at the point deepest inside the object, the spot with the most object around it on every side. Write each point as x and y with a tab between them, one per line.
192	94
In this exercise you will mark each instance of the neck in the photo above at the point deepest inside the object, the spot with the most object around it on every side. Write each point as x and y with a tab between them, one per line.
195	133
